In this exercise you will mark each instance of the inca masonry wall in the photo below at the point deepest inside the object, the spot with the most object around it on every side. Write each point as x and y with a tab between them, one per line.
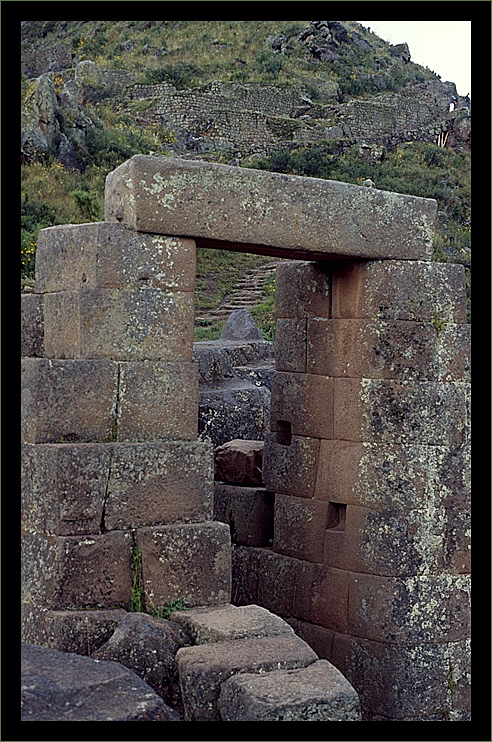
368	449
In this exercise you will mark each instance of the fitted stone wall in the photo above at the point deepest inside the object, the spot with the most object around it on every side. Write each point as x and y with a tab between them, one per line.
117	492
368	455
368	449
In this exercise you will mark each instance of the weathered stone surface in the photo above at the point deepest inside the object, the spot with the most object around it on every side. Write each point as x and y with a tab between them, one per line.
391	290
157	401
32	325
63	487
388	542
320	595
423	608
235	408
304	402
189	561
303	290
82	488
426	678
277	214
70	572
154	483
65	400
106	255
241	326
299	527
148	646
315	693
393	476
248	511
387	411
218	360
56	686
290	467
290	345
226	623
81	632
373	349
239	462
203	668
122	324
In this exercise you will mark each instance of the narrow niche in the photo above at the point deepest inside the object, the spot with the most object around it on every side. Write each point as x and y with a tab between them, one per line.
336	516
284	433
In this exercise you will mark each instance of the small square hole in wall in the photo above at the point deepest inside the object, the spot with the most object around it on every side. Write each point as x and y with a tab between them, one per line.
336	516
284	433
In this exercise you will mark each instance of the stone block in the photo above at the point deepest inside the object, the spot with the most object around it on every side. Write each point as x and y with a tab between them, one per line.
290	345
245	574
457	556
321	595
299	527
387	411
32	325
157	401
106	255
426	679
403	290
318	692
81	632
121	324
388	542
235	408
393	476
290	468
56	686
318	638
454	348
304	402
276	581
63	487
423	608
248	511
159	483
303	290
273	213
202	669
70	572
66	400
239	462
190	561
229	622
373	349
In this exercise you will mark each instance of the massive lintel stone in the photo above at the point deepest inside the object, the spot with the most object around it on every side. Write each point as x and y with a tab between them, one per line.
269	213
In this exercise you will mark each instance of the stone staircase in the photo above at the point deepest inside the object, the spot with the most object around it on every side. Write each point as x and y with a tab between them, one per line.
247	293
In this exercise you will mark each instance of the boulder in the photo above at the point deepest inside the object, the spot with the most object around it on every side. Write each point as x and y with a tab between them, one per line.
147	645
239	462
56	686
241	326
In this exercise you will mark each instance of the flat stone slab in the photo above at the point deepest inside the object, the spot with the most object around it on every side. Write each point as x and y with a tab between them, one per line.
56	686
206	625
315	693
203	668
286	216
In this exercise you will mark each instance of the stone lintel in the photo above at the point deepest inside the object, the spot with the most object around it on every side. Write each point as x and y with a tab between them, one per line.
272	213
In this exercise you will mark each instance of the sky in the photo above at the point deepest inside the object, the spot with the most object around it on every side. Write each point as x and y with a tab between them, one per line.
442	46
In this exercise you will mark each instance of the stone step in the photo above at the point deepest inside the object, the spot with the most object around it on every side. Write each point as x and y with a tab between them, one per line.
242	651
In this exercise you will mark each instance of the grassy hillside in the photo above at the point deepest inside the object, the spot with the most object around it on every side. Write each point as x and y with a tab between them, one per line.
193	54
